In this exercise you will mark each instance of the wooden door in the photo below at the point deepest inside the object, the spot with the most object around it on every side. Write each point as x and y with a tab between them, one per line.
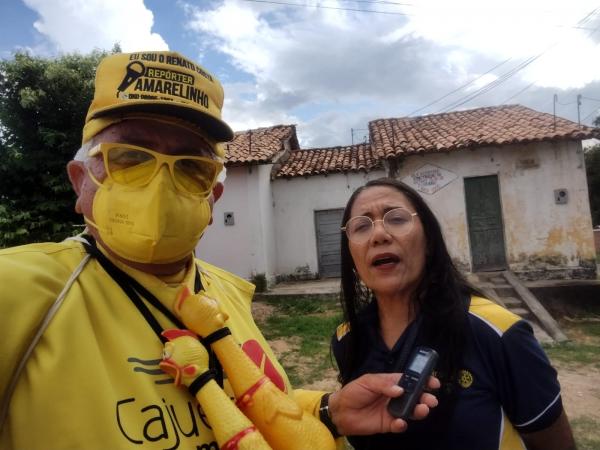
484	217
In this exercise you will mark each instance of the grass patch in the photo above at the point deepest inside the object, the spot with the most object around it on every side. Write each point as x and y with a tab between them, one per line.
314	304
591	329
583	347
308	324
314	332
586	433
574	353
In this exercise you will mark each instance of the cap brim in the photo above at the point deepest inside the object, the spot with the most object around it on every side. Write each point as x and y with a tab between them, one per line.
212	126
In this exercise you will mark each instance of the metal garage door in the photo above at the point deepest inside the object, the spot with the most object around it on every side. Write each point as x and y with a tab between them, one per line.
328	223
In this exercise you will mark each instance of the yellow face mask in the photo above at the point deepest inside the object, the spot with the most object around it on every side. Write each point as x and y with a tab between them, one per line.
154	223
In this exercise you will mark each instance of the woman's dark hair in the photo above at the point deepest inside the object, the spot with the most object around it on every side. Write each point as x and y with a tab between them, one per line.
440	298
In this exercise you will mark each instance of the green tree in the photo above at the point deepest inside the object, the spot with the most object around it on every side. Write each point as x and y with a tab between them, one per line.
43	103
592	168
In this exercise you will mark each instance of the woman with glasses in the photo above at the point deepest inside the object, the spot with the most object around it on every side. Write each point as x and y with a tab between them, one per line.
401	290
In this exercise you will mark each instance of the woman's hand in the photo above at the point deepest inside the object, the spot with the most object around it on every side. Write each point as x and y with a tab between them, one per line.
360	407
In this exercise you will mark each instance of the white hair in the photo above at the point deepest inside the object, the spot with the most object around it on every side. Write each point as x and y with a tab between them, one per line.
82	153
222	175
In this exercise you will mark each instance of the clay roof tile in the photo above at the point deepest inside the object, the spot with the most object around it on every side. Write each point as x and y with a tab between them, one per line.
497	125
259	145
321	161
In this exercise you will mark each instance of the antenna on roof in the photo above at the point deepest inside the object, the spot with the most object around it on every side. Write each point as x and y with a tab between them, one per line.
352	130
554	110
250	141
578	110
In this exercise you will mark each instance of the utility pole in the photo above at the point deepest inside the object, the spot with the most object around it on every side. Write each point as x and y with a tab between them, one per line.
579	110
352	133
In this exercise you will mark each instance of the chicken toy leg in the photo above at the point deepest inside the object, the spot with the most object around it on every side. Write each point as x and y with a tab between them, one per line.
186	360
283	424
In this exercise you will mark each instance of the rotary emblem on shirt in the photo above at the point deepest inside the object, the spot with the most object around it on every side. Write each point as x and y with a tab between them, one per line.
465	378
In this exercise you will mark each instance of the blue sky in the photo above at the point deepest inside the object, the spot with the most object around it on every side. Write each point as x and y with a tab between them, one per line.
328	68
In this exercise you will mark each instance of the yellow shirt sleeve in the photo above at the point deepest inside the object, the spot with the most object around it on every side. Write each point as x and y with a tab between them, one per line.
310	401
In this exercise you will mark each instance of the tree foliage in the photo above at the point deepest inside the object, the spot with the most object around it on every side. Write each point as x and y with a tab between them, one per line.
43	103
592	168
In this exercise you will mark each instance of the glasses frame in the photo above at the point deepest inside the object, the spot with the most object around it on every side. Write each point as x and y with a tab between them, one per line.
382	220
170	160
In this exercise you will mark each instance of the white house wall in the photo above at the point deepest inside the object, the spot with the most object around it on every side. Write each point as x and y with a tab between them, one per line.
274	231
247	247
539	234
295	203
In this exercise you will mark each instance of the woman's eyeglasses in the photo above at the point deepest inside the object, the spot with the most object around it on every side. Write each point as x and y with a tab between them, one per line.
397	222
136	166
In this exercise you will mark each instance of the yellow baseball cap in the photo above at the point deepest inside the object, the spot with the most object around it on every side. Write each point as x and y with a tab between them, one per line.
158	83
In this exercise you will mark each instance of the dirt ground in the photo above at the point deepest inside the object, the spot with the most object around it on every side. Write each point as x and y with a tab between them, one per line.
580	387
580	391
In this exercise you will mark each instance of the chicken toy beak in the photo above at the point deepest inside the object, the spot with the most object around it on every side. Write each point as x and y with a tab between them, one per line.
170	368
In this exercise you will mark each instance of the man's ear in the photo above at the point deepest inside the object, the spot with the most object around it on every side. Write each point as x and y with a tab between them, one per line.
76	172
214	196
217	191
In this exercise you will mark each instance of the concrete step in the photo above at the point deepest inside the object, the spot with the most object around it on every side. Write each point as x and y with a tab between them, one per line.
495	286
540	334
498	280
512	301
522	312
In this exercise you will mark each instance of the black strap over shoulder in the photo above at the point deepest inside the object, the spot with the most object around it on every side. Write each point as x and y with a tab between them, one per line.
136	293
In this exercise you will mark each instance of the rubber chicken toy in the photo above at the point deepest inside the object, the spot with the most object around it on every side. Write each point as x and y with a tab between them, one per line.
186	360
278	418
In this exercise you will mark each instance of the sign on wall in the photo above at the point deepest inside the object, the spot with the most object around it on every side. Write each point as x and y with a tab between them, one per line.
429	178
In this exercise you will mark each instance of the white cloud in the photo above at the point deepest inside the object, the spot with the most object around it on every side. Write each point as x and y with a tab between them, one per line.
85	25
333	70
518	30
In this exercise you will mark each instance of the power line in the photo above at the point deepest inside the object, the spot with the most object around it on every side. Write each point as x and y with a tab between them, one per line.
491	85
459	88
381	2
506	76
518	93
590	114
372	11
585	19
337	8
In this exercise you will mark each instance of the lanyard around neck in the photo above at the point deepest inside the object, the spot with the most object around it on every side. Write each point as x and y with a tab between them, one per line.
137	293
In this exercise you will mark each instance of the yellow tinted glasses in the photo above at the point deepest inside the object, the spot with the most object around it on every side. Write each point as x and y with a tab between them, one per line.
136	166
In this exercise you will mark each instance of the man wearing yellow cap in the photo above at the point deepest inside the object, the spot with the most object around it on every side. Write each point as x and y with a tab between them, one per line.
82	319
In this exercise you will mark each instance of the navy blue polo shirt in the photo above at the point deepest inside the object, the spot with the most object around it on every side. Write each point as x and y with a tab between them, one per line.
506	384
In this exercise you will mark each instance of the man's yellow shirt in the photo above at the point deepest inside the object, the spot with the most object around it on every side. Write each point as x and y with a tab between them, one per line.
93	380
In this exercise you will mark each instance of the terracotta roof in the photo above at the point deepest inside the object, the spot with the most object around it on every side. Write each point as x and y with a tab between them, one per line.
321	161
260	145
495	125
